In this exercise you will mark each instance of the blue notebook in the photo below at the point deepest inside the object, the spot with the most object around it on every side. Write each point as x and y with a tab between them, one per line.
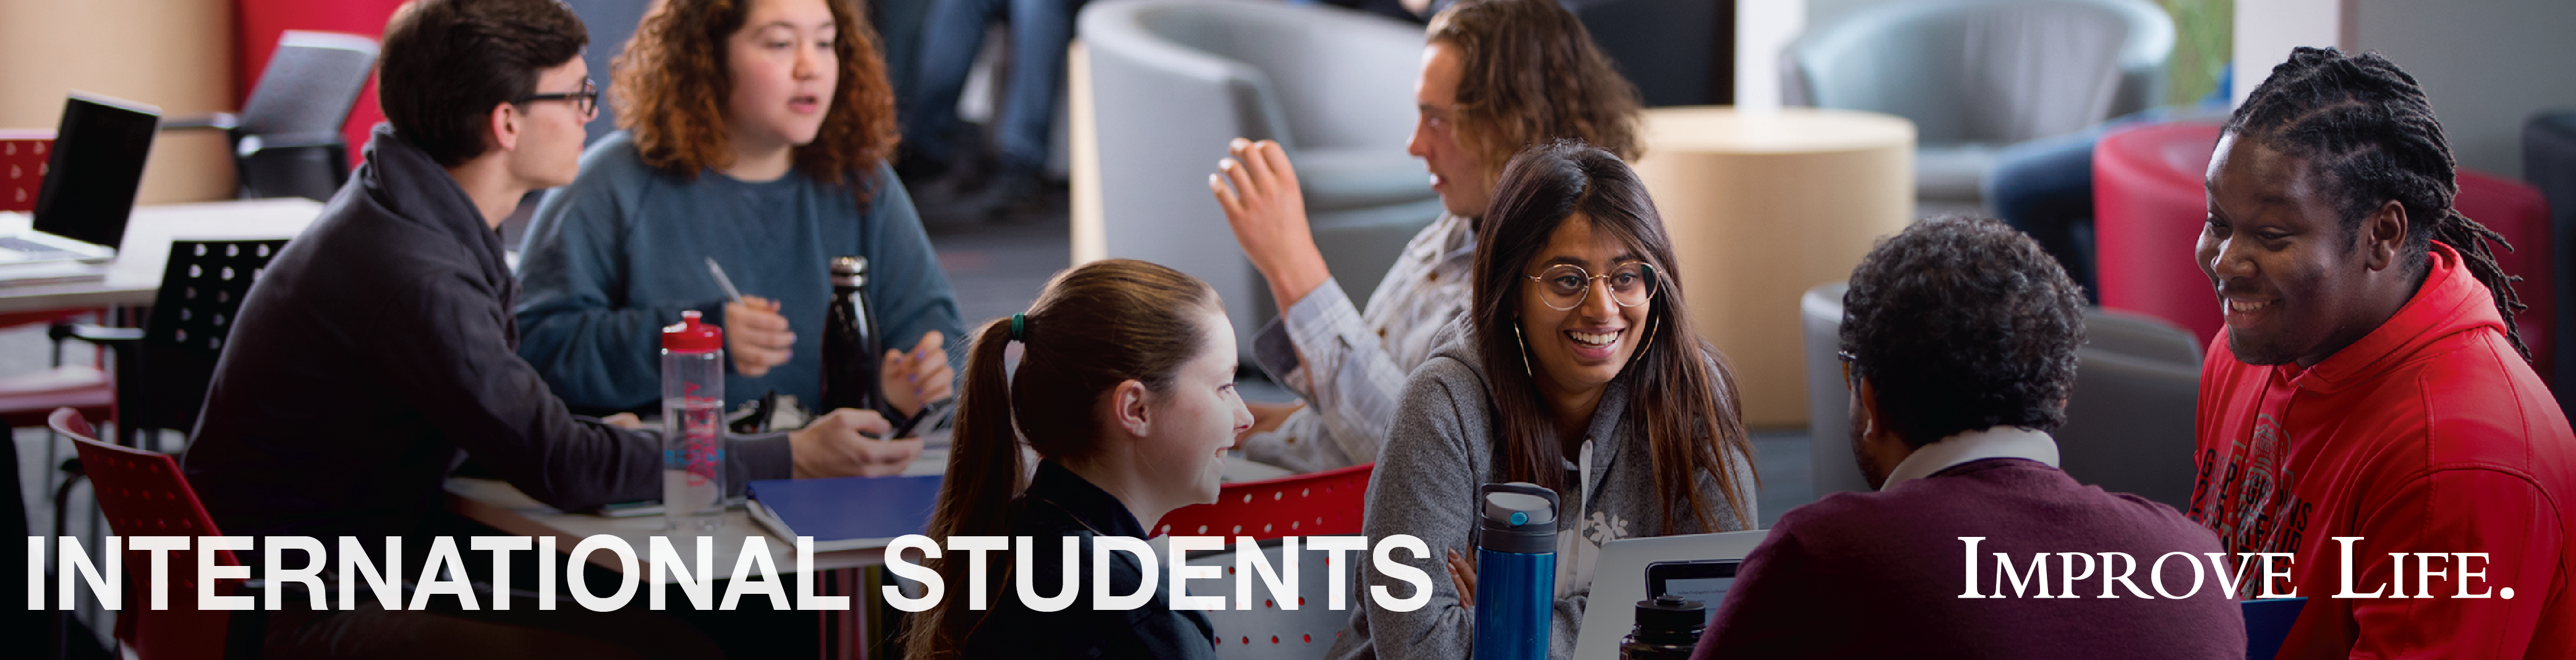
845	513
2267	625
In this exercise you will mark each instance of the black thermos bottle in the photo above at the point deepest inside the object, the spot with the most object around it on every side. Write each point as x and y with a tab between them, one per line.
851	348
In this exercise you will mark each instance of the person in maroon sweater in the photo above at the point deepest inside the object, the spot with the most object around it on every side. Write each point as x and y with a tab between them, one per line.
1958	340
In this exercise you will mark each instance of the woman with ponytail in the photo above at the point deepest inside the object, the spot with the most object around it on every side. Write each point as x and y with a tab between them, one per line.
1122	385
2370	382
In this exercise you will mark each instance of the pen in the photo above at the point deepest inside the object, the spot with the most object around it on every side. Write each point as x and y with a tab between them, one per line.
723	281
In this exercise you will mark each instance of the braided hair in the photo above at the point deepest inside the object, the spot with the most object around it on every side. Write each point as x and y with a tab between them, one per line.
2366	125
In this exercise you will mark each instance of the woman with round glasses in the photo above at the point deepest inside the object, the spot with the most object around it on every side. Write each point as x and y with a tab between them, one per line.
1576	369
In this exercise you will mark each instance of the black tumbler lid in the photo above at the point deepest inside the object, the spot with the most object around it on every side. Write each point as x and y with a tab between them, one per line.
1669	614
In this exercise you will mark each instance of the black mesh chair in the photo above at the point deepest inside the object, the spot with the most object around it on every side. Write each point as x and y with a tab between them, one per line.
1675	51
2549	162
163	368
287	142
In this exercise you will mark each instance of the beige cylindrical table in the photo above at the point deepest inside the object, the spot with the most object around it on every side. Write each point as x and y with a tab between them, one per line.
1763	206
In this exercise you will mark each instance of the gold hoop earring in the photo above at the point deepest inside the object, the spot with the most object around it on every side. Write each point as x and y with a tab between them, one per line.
1649	340
1516	337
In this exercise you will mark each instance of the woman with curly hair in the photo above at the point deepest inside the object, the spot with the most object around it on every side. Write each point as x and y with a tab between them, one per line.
755	133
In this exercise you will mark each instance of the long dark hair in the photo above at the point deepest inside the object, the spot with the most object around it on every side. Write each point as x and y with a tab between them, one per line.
1697	409
1093	327
2366	125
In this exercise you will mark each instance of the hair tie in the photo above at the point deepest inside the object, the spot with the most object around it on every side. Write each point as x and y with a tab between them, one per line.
1019	327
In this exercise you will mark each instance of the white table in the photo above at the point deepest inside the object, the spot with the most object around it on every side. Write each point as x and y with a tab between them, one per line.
504	507
135	276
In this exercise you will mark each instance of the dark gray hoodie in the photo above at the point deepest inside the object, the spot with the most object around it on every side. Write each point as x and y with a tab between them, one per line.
1441	449
375	354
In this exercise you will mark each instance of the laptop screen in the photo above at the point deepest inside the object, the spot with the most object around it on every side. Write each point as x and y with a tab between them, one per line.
1620	579
1705	581
96	166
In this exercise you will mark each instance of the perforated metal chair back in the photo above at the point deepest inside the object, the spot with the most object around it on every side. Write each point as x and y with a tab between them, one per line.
1280	625
201	294
22	168
1325	503
142	493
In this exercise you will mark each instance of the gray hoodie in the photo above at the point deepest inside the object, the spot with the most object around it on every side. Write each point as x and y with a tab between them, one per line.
1441	449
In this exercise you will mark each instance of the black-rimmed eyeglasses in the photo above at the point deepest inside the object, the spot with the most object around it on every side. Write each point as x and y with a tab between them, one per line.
1851	370
586	100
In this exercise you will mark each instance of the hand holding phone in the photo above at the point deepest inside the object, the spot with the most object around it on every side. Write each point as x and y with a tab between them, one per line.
930	418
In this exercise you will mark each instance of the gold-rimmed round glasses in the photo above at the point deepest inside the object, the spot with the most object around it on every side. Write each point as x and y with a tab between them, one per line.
1566	286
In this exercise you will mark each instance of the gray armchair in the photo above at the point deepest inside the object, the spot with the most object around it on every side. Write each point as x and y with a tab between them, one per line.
1174	80
2128	421
1976	75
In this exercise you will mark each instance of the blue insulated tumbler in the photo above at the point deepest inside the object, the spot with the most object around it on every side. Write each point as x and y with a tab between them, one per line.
1515	571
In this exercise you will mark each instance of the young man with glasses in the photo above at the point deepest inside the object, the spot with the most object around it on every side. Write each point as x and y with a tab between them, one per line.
1958	345
374	355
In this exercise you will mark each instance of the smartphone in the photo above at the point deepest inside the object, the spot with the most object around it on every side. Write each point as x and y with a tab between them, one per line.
931	417
1704	580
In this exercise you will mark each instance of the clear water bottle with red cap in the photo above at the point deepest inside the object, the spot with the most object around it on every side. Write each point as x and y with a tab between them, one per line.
693	460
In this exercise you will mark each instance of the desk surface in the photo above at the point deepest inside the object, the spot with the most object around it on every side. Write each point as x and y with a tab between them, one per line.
135	275
503	507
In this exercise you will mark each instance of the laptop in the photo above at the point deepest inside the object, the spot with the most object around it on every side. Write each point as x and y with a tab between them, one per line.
90	181
1703	580
1619	581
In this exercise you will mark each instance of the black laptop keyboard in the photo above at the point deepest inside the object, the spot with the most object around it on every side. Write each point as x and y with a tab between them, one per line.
24	245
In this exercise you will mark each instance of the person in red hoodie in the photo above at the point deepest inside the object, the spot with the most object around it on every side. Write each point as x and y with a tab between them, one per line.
2371	384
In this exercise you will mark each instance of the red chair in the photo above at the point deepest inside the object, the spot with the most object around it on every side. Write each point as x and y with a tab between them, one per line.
22	167
143	493
1327	503
2519	212
1321	504
2148	209
26	398
2149	206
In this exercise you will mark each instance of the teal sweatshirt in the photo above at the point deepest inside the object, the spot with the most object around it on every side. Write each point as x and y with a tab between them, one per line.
620	252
